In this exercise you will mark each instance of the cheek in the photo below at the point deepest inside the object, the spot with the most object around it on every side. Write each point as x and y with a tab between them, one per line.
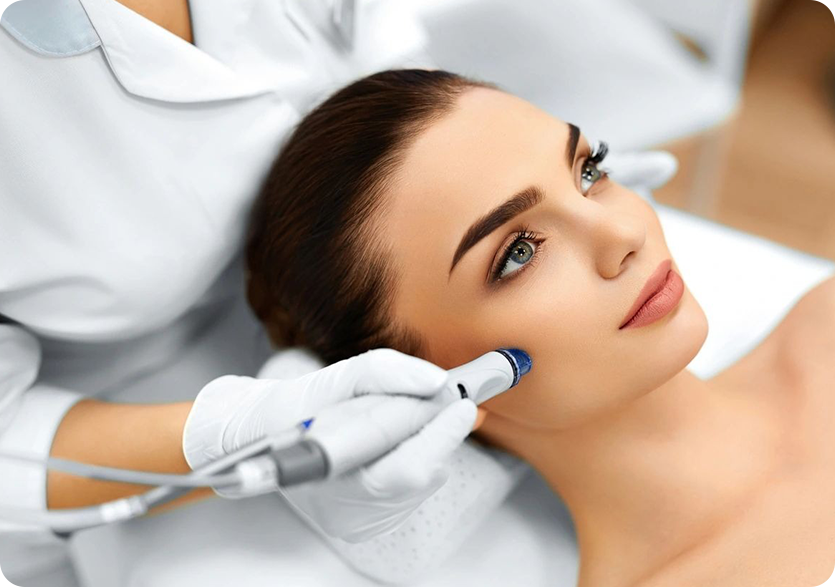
567	343
572	377
579	373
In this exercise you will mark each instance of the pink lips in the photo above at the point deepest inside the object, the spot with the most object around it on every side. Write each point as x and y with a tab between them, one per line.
661	293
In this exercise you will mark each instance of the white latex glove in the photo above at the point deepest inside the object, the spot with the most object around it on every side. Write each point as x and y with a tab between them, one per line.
641	171
232	411
380	497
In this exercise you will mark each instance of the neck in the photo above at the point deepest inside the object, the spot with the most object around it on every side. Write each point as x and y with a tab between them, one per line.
172	15
650	481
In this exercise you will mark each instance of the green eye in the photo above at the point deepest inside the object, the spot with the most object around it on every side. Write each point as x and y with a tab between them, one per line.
591	174
519	254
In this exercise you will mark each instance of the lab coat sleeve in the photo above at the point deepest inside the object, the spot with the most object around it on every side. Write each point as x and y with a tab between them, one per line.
29	417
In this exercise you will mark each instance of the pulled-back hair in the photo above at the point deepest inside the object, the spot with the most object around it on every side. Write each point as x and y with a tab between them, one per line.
317	275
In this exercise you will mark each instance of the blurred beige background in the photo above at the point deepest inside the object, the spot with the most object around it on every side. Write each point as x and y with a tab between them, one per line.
774	163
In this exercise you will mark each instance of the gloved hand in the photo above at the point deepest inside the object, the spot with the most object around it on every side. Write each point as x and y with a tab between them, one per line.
232	411
640	171
379	497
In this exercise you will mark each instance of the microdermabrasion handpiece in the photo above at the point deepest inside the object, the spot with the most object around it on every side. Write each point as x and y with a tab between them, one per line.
327	452
295	456
487	376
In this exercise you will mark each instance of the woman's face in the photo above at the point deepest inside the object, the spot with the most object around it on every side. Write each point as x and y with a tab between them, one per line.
587	248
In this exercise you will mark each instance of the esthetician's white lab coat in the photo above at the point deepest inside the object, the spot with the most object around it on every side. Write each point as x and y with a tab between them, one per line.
128	161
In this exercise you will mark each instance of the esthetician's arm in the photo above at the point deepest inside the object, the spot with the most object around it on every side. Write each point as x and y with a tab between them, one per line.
144	437
233	411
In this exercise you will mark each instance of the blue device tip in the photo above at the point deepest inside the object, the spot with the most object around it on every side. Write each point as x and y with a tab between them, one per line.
522	361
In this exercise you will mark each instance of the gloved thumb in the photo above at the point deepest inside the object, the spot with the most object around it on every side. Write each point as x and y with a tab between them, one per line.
376	371
641	169
289	363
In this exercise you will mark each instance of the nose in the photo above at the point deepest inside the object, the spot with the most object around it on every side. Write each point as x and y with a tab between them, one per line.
610	233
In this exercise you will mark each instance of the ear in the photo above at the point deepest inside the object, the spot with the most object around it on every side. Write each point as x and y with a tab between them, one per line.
479	419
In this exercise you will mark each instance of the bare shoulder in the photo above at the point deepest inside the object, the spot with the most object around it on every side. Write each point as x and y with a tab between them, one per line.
822	296
800	351
808	334
797	363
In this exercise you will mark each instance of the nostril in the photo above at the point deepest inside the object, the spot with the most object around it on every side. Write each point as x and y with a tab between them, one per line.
462	390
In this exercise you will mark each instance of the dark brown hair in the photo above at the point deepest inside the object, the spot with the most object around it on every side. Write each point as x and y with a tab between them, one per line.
316	275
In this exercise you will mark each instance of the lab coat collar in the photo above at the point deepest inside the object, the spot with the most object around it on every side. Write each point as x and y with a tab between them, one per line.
58	28
151	62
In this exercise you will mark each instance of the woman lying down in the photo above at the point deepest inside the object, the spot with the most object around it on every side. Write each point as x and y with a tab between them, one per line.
454	218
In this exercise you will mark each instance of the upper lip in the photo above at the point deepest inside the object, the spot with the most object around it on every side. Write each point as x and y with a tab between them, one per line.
651	287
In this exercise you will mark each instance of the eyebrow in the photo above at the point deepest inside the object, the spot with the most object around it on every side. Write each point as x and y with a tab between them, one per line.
571	144
512	207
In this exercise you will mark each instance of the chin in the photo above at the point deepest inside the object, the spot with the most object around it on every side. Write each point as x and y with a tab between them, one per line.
684	333
698	325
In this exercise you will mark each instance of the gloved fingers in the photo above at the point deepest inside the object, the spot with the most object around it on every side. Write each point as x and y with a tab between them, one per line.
382	426
650	169
418	463
290	363
376	371
390	371
337	414
378	498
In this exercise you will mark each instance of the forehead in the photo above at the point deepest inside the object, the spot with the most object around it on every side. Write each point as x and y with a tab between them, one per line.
483	143
489	146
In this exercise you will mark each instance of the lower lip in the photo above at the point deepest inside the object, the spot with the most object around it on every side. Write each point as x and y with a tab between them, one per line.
659	305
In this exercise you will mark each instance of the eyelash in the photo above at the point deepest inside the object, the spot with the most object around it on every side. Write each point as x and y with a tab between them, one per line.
596	156
598	153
